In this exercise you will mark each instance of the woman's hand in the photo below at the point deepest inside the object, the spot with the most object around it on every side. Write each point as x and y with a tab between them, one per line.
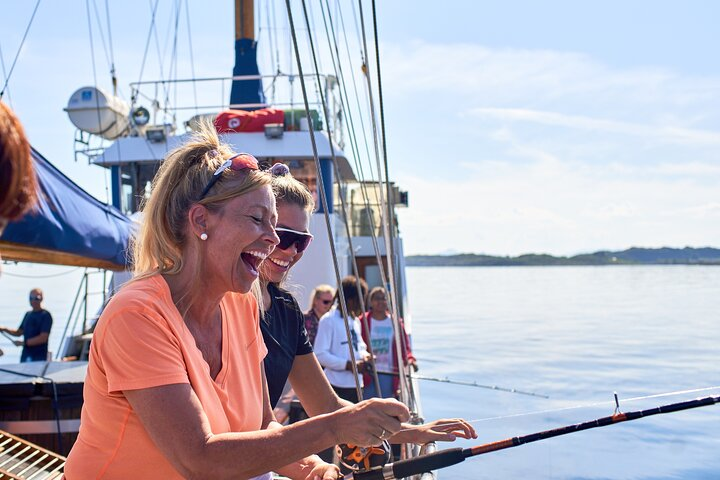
370	422
443	430
324	471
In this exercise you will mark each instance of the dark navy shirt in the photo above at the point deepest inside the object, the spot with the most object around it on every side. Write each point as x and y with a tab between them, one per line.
283	329
33	324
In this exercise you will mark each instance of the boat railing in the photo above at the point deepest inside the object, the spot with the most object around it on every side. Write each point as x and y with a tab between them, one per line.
171	96
80	320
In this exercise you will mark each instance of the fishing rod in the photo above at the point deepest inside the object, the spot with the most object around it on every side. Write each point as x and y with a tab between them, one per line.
7	335
452	456
469	384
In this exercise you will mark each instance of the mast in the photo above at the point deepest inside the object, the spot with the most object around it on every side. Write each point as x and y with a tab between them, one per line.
249	91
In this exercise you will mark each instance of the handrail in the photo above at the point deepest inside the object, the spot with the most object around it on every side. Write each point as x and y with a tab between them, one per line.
216	79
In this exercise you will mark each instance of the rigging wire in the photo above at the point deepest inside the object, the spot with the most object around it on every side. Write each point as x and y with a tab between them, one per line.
323	199
173	56
2	63
353	142
147	42
112	50
102	36
275	45
389	247
408	397
356	271
347	112
17	55
192	57
94	69
390	227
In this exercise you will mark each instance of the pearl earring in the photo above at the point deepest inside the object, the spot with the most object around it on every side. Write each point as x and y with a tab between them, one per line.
203	236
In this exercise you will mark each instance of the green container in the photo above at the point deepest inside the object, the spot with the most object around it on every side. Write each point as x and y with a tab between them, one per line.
295	119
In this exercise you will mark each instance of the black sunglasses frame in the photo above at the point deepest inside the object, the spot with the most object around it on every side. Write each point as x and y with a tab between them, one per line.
288	237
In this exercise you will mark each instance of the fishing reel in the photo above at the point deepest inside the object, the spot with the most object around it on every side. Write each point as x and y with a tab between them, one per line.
357	459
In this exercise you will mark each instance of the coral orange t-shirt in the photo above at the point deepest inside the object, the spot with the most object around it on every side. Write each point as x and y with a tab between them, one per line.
140	342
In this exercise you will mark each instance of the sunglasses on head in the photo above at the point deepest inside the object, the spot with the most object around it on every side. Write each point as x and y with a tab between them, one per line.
289	237
236	163
325	302
35	297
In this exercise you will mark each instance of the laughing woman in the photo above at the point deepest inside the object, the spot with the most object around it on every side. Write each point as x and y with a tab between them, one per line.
175	385
290	354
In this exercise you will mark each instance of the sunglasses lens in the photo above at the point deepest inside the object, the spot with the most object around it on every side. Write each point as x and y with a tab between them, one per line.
288	238
242	161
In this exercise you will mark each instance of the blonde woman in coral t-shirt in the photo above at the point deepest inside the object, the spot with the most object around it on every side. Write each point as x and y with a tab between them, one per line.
175	385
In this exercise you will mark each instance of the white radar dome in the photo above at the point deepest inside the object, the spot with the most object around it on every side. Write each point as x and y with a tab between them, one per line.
95	111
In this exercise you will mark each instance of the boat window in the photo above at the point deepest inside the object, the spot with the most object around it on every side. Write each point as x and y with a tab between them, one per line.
365	210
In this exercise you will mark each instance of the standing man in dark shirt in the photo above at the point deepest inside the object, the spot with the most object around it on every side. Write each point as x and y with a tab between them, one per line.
35	328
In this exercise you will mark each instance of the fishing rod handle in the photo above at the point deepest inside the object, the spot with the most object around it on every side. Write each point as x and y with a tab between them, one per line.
414	466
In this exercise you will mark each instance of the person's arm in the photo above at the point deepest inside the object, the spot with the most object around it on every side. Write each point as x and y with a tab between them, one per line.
323	346
443	430
39	339
16	332
312	387
305	467
173	417
317	397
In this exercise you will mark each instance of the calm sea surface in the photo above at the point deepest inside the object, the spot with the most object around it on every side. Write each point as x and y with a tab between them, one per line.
576	334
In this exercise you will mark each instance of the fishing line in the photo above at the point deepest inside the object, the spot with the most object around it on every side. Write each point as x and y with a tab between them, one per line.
445	458
596	404
585	405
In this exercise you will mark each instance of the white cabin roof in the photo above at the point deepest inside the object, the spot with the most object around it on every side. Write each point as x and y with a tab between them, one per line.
292	145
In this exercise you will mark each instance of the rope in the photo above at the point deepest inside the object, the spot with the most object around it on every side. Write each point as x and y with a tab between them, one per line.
22	42
17	275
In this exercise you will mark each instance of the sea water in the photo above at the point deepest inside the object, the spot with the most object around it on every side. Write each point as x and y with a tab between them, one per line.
576	334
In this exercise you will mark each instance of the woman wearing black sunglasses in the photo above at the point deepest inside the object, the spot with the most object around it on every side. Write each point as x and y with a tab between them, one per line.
290	354
175	386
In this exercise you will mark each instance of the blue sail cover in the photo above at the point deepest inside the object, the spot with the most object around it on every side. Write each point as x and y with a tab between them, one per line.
68	227
246	91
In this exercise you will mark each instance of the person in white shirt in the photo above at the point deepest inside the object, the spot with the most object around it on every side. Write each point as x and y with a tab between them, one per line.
331	342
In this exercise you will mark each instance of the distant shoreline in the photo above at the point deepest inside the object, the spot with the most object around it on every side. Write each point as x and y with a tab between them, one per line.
631	256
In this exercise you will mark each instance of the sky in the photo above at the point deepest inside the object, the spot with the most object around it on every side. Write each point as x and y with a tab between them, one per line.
555	127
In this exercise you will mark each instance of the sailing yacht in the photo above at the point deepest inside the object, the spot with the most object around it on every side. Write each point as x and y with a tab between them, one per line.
301	120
